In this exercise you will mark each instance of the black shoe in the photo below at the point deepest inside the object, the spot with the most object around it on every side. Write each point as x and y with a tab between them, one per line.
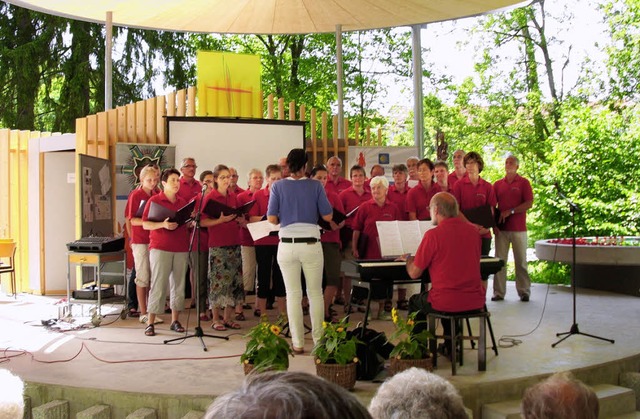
498	298
524	298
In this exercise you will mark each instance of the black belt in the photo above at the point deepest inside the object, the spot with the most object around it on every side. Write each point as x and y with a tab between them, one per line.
299	240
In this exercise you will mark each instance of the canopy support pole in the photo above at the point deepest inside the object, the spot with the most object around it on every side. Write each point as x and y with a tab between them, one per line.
418	111
339	81
108	63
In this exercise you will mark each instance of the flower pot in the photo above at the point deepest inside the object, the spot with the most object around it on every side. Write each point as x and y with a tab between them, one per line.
249	368
342	375
397	365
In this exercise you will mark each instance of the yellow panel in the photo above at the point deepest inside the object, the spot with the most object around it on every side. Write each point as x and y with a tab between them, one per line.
102	136
140	121
4	183
150	123
161	112
131	123
92	135
122	125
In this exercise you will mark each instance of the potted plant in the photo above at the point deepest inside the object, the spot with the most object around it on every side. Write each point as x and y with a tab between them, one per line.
411	348
266	349
335	354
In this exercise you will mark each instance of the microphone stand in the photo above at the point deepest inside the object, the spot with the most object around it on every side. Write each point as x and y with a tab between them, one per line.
196	233
574	330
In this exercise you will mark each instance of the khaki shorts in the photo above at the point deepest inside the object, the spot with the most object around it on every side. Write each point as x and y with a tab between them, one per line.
141	261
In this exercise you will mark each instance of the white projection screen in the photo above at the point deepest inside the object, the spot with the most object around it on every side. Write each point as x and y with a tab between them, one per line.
241	143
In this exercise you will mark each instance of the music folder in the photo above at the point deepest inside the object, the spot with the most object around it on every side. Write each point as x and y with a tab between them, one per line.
480	215
214	208
140	211
338	217
401	237
159	213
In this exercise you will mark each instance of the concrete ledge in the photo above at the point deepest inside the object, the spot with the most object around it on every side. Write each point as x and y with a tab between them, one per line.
193	414
95	412
144	413
615	400
56	409
632	380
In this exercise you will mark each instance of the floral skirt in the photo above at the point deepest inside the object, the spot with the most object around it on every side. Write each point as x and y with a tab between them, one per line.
225	276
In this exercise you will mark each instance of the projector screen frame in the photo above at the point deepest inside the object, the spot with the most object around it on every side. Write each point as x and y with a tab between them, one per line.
200	145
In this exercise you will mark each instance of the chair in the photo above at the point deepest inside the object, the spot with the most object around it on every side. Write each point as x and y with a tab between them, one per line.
8	251
457	336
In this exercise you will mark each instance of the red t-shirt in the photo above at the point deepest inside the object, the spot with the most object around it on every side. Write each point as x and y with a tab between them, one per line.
471	196
400	199
337	187
365	222
350	200
161	238
225	234
188	190
418	200
452	179
138	234
451	252
332	236
259	209
509	196
243	198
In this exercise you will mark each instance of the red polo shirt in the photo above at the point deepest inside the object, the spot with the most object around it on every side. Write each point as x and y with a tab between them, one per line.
470	196
452	179
418	200
365	222
350	200
138	234
188	190
225	234
243	198
400	199
510	195
332	236
451	252
259	209
338	186
161	238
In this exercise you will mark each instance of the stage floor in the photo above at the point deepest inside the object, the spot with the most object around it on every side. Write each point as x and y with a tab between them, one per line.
118	356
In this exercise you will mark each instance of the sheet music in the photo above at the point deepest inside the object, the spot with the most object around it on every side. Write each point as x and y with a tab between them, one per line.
401	237
261	229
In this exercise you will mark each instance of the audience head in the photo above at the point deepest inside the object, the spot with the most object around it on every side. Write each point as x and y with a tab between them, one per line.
444	205
376	170
188	167
166	173
441	171
320	173
425	170
11	396
149	176
296	160
334	166
511	164
291	395
221	176
357	169
255	179
380	181
274	174
416	393
412	167
233	173
472	157
458	159
560	396
284	167
400	173
206	177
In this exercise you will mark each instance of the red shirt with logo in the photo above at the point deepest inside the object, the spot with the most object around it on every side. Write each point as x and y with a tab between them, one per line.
510	195
168	240
365	222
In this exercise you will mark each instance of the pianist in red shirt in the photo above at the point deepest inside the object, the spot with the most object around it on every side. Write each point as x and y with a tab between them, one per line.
451	253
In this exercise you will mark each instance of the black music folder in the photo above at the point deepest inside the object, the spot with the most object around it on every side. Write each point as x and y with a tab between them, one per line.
480	215
159	213
140	211
338	217
214	208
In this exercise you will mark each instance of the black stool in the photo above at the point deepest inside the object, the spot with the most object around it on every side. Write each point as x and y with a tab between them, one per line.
457	338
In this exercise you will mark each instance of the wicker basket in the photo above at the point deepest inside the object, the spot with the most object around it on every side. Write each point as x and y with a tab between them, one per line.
342	375
397	365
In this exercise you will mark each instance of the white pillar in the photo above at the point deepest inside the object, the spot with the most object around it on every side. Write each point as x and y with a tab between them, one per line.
339	81
108	63
418	111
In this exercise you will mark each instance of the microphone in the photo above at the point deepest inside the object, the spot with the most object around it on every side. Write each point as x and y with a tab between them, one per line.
204	188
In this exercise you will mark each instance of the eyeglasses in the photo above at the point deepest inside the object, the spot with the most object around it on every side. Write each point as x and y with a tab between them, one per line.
234	176
190	166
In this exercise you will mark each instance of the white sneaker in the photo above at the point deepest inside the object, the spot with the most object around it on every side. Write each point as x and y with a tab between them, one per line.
158	320
144	318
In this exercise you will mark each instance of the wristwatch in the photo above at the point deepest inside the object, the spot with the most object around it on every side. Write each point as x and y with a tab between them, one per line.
513	211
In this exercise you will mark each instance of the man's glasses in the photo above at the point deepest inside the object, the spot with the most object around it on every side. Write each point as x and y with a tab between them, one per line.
190	166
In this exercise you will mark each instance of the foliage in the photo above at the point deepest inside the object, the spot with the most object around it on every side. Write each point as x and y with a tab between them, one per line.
337	345
409	345
266	349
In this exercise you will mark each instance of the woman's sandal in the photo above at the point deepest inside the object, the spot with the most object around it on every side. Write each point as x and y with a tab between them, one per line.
232	325
176	327
403	305
218	326
240	317
257	313
150	330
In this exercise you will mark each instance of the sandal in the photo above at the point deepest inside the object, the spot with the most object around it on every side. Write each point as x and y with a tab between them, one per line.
176	327
246	306
150	330
232	325
204	317
257	313
218	326
388	306
134	313
240	317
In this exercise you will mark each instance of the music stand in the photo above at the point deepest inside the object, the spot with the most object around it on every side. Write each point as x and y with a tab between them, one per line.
198	329
574	330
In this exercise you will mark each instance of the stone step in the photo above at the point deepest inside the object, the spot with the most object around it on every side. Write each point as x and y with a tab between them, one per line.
55	409
143	413
614	401
632	415
100	411
193	414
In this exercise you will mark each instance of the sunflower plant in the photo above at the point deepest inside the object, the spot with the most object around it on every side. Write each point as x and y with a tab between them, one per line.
409	345
337	345
266	349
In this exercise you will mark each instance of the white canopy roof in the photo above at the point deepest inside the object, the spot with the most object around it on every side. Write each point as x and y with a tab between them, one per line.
265	16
